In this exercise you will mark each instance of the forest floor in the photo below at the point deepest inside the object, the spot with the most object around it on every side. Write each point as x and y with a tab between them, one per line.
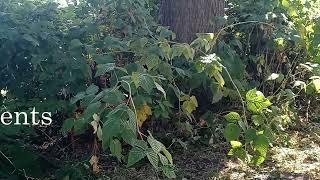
299	159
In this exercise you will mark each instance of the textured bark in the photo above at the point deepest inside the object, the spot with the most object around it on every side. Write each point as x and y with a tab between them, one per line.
188	17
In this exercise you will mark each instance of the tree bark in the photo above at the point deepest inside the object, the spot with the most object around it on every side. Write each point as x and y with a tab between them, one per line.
188	17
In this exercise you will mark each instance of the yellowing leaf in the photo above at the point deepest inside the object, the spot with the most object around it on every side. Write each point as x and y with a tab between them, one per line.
235	144
142	114
95	125
94	163
190	105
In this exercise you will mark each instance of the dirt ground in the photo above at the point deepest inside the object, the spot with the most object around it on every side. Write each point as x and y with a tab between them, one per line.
298	159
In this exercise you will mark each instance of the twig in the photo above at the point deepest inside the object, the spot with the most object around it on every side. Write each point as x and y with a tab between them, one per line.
135	110
241	98
236	24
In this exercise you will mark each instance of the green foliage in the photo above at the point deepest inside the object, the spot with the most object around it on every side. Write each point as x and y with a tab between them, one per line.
113	61
251	143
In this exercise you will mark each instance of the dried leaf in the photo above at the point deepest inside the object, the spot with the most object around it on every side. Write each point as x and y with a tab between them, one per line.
94	163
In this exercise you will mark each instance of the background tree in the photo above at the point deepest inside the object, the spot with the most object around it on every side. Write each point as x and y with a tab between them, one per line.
186	18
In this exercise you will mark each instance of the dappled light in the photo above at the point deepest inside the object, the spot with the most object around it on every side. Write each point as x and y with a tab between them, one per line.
159	89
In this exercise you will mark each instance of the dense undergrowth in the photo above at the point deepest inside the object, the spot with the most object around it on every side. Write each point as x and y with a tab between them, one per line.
117	80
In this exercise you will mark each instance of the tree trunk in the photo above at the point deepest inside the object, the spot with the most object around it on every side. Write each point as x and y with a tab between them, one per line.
188	17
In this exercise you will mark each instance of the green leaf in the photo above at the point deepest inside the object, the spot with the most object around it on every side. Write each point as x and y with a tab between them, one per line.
240	153
78	97
177	50
31	39
116	148
257	120
153	158
146	82
261	144
104	68
166	70
75	43
132	121
231	132
111	128
80	126
152	61
103	59
67	126
91	109
168	155
256	102
114	97
163	159
168	171
250	135
135	155
285	3
216	92
92	89
155	145
257	160
232	117
135	77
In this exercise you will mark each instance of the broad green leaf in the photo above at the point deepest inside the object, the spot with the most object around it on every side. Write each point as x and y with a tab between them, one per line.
155	145
111	128
114	97
135	155
104	68
135	77
285	3
31	39
92	89
257	160
231	132
232	117
241	153
250	135
75	43
78	97
169	172
132	121
188	52
116	148
257	120
261	144
163	159
80	126
256	102
67	126
166	70
153	158
217	93
177	50
147	83
151	61
166	50
91	109
104	59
